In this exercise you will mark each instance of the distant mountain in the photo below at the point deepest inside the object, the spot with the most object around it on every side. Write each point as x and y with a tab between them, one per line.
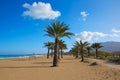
110	46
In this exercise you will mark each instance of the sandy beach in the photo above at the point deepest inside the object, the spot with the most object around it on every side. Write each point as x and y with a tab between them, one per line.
69	69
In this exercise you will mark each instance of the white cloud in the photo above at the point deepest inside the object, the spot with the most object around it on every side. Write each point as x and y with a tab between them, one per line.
88	36
84	15
40	10
115	31
114	35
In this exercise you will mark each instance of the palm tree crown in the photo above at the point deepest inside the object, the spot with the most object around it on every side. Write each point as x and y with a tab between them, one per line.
47	44
96	46
83	45
58	30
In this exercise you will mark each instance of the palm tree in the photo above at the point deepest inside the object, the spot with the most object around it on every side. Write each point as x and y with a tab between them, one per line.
52	48
80	46
83	46
59	49
48	45
76	49
88	49
62	46
57	30
96	46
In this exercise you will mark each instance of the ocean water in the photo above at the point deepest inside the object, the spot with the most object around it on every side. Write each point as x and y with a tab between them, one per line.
12	56
19	56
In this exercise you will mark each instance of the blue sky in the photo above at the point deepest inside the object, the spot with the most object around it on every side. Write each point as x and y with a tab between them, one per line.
22	22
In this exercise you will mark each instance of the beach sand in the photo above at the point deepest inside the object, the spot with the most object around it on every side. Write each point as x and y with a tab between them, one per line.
69	69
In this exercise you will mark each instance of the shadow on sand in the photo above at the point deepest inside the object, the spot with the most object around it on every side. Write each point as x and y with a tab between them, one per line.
20	67
42	63
69	59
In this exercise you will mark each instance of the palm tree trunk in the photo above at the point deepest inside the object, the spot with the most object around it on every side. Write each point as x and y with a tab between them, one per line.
82	56
61	53
55	59
58	54
48	54
51	53
77	55
89	53
96	53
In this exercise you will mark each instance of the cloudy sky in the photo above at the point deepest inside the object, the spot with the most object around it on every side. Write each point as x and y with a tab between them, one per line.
22	22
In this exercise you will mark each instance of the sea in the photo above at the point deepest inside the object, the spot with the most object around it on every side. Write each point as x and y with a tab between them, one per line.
17	56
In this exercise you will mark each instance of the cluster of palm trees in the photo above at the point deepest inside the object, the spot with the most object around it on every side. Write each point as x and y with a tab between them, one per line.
57	30
50	47
62	46
80	47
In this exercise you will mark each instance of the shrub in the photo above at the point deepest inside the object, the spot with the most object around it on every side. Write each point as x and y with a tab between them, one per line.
86	61
102	57
114	59
94	63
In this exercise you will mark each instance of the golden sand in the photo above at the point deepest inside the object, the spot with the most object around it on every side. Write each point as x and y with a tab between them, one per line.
69	69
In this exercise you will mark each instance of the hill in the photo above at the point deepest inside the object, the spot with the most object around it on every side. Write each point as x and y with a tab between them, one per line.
110	46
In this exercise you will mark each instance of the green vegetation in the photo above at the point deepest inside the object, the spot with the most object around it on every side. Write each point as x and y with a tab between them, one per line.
103	55
94	64
85	50
115	57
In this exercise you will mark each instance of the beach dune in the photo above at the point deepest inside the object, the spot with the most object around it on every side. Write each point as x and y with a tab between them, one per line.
69	69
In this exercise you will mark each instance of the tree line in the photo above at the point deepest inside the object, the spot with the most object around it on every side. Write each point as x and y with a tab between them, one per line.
80	48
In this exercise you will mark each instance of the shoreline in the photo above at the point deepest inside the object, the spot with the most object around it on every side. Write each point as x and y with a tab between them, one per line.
2	57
